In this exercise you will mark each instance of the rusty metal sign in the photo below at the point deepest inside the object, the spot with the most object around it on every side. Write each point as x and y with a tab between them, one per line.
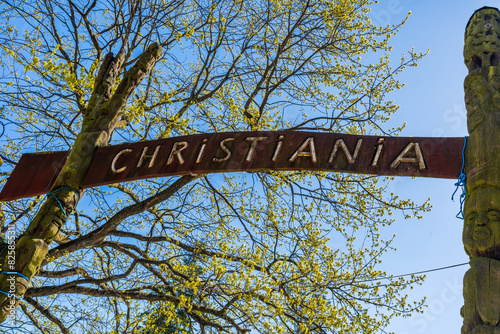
246	151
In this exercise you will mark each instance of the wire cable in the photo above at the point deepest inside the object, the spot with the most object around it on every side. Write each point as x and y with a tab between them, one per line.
410	274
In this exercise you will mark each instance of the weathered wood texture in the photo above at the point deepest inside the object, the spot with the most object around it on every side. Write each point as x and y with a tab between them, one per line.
481	234
247	151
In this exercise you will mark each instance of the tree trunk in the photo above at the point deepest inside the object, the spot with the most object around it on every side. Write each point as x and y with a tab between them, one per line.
102	114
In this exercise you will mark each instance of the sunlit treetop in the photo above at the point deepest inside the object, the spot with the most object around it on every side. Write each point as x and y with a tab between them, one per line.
267	252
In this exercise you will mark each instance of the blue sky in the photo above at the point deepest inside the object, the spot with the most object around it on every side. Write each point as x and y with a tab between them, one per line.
432	104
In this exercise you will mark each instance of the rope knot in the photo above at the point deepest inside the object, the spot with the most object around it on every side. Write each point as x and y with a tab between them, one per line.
461	184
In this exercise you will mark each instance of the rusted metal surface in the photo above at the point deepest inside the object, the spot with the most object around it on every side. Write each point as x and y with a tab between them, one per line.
34	175
253	151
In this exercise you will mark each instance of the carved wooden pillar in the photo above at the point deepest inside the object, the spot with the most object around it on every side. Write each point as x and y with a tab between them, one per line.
481	234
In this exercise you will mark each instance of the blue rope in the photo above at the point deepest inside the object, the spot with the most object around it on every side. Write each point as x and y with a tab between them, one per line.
60	204
15	273
461	184
11	295
21	275
57	199
55	172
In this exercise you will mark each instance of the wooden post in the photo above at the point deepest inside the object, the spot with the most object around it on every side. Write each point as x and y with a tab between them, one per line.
481	234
